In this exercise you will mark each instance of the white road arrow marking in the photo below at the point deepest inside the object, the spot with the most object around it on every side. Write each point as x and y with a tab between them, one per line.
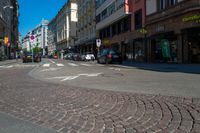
65	78
50	69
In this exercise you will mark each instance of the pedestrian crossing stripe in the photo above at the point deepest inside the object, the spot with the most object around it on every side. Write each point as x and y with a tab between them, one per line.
46	65
72	64
60	65
83	64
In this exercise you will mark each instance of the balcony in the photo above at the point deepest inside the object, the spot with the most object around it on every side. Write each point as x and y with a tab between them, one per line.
180	8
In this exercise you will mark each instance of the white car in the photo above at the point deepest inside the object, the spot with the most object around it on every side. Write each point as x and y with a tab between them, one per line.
89	57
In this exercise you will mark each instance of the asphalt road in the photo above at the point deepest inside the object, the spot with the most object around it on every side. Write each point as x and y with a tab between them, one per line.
85	97
118	78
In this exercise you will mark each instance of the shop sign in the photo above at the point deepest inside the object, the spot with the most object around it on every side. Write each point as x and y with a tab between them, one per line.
194	18
142	30
165	48
106	42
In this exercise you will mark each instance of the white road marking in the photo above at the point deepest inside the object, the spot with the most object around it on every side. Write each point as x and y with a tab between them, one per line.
60	65
83	64
46	65
72	64
65	78
117	69
6	66
51	61
50	69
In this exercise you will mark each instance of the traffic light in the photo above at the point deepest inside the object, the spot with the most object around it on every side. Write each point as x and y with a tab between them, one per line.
6	40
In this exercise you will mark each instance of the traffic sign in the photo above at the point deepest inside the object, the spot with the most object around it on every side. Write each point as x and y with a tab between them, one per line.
32	38
98	42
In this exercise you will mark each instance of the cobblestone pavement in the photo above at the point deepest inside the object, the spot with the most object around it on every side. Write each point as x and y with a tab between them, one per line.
67	109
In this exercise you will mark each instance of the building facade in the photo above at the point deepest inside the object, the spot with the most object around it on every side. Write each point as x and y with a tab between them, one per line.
173	31
40	38
113	23
86	27
9	28
66	21
52	38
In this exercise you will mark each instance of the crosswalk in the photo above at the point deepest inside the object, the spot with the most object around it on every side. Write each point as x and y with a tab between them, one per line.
68	64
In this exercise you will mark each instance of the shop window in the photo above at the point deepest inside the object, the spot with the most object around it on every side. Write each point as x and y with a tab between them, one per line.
138	19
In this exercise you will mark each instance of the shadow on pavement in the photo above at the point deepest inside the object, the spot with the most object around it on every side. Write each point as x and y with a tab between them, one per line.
183	68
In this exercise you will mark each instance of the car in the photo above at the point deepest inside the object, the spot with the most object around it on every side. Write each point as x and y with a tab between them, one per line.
68	56
108	56
76	57
89	57
27	57
55	57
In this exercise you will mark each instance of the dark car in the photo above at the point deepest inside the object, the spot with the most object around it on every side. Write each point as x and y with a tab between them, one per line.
27	57
109	56
76	57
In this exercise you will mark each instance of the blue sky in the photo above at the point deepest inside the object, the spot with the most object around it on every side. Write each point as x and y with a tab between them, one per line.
32	12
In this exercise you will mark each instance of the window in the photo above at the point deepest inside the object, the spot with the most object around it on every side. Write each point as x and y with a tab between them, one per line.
161	4
111	8
173	2
104	14
98	18
120	3
138	19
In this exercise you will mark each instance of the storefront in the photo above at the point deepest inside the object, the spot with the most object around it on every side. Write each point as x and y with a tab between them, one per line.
192	43
164	48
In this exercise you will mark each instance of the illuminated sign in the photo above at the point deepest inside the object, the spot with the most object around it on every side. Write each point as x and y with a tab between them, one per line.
142	30
6	40
194	18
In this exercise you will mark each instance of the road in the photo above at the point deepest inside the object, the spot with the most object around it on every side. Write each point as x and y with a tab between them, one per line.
82	97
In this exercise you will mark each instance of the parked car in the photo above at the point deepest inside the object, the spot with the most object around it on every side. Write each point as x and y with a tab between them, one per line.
109	56
68	56
55	57
89	57
27	57
76	57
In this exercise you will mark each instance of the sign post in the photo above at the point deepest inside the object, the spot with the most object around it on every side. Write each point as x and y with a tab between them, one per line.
98	43
32	38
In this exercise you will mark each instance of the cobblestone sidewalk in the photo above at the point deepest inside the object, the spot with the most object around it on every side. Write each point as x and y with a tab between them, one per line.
79	110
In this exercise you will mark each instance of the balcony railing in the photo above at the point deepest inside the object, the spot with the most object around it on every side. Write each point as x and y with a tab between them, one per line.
182	7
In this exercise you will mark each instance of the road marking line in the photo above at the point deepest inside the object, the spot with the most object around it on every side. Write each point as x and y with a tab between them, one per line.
51	61
72	64
6	66
60	65
65	78
83	64
46	65
50	69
